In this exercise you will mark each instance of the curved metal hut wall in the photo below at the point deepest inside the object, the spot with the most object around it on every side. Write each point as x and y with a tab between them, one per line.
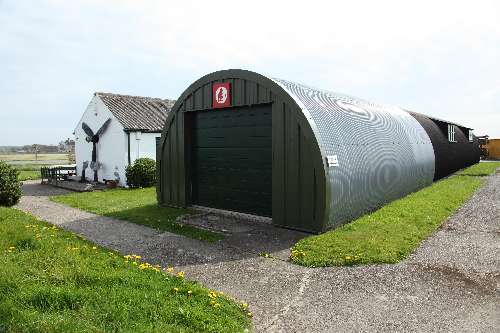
383	153
298	171
450	156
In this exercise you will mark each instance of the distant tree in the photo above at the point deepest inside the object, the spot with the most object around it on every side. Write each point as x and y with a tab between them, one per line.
70	149
70	144
35	149
61	147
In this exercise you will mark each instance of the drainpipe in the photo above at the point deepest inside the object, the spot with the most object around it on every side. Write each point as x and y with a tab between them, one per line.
128	147
138	136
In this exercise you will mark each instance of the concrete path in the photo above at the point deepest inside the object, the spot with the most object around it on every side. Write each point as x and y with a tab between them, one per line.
450	284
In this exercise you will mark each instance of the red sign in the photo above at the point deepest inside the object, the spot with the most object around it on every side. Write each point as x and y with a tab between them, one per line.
221	95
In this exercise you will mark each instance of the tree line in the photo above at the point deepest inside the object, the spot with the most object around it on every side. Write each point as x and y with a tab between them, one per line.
64	146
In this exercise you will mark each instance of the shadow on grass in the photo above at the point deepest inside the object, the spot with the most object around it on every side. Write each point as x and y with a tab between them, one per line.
163	218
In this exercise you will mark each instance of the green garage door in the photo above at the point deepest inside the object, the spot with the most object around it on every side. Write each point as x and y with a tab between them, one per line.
232	159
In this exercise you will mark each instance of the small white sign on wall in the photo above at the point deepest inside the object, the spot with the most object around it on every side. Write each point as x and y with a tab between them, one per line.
332	161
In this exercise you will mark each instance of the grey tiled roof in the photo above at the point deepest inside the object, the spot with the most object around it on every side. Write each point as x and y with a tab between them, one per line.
138	113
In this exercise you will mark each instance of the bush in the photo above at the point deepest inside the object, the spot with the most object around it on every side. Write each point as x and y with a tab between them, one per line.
142	173
10	187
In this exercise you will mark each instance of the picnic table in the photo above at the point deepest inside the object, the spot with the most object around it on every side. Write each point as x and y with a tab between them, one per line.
57	172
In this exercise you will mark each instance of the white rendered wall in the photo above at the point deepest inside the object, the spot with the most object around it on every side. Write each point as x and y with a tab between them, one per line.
111	148
143	145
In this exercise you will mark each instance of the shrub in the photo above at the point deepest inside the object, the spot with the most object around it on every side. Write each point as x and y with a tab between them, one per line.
142	173
10	187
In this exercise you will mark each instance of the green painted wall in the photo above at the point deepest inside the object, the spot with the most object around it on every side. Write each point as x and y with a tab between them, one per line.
298	174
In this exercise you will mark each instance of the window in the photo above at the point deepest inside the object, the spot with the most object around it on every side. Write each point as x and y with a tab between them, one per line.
451	133
157	140
471	136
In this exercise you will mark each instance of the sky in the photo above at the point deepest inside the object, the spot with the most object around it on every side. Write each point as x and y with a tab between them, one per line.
441	58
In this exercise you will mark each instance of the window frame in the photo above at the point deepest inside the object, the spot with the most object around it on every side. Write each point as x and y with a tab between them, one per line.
471	136
451	133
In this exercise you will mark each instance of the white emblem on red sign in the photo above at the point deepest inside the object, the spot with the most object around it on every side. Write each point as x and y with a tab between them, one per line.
221	95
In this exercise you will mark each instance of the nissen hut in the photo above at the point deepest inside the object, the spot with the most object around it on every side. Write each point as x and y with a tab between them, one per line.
308	159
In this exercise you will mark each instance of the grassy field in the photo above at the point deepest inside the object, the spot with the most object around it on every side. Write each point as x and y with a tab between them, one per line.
28	175
27	158
137	206
29	165
53	281
391	233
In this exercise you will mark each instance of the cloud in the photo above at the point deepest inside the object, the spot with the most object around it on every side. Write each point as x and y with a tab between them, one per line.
434	57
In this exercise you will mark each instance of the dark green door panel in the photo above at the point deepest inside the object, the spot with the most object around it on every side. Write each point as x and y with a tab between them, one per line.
232	159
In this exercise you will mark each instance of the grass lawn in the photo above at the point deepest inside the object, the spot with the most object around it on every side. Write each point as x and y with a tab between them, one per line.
137	206
480	169
53	281
391	233
27	162
28	175
32	157
29	167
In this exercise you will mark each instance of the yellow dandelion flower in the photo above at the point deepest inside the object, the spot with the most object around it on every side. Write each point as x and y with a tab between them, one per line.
94	247
170	269
190	292
297	254
221	293
212	302
180	274
249	314
176	289
12	247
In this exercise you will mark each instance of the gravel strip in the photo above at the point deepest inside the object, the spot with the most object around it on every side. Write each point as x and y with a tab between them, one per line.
450	284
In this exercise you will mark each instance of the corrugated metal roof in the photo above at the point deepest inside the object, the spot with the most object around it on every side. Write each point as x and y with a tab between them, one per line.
138	113
440	120
382	153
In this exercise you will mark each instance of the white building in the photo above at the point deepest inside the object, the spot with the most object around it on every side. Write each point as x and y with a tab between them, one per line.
135	125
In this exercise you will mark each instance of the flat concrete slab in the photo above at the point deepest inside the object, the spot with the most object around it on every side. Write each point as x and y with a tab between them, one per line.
450	284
